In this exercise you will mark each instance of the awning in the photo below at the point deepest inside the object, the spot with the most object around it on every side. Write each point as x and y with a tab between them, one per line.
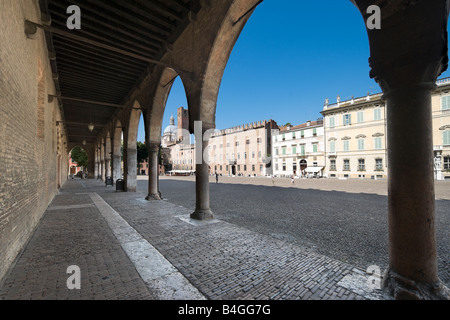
313	169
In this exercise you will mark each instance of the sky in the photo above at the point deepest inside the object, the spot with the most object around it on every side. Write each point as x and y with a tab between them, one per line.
290	56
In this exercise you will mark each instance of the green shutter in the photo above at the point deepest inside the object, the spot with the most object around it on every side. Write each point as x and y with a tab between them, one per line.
445	101
360	116
446	138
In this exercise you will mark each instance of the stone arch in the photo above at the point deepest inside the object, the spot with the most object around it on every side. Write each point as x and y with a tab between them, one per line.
155	116
133	125
219	54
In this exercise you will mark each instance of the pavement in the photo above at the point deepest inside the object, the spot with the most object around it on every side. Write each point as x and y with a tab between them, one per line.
94	243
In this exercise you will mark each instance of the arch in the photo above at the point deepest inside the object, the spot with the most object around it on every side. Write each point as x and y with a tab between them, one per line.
229	31
133	125
89	159
155	116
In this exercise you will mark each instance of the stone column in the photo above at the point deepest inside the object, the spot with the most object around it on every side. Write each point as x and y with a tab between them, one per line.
412	235
202	209
153	191
408	52
117	172
108	167
96	171
103	172
131	170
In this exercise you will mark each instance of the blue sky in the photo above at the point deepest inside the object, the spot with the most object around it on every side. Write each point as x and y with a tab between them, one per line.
291	55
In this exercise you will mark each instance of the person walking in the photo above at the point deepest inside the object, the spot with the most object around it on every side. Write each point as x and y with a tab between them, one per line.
217	177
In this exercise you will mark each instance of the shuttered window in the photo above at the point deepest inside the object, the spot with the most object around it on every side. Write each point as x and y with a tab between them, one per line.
446	137
445	103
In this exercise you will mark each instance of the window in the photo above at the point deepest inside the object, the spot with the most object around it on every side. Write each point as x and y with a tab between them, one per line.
239	155
360	116
378	164
276	166
332	122
259	154
237	142
283	137
253	154
294	166
293	135
346	146
346	165
284	150
247	141
360	144
347	119
445	103
228	144
245	167
447	163
260	167
333	165
284	166
332	146
377	114
302	149
294	149
315	147
253	167
245	155
361	165
446	137
226	168
314	132
302	133
378	143
239	167
259	140
276	152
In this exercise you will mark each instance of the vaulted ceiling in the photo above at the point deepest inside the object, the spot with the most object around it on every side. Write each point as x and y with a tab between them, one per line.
96	67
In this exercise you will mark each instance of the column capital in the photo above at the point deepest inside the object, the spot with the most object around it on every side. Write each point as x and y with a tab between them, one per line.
411	46
154	147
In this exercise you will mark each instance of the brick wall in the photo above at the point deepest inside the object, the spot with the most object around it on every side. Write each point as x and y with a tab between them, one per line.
28	137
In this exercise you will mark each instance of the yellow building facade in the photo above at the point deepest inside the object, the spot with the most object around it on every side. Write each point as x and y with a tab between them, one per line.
355	136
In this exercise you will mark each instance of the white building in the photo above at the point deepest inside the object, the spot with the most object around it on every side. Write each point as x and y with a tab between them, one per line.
299	150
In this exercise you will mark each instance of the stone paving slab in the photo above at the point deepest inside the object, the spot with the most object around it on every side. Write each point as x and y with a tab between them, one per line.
221	260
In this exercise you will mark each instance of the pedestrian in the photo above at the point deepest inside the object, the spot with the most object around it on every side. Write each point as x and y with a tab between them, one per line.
273	179
292	179
217	177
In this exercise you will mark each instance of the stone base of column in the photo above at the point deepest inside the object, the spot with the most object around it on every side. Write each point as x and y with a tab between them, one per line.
202	214
401	288
151	197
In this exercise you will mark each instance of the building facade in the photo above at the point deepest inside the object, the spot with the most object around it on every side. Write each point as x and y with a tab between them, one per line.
299	150
355	136
243	150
